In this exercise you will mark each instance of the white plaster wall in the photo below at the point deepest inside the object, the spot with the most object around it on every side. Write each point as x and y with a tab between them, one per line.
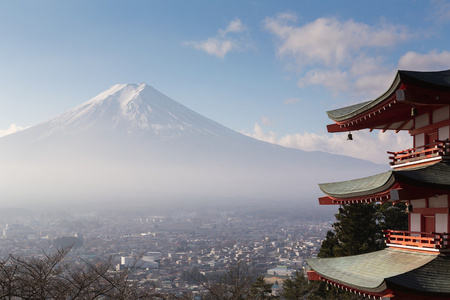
415	222
419	140
441	222
422	121
440	201
440	114
444	133
419	203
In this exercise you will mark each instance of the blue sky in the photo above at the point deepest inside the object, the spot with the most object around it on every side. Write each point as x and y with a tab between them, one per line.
269	69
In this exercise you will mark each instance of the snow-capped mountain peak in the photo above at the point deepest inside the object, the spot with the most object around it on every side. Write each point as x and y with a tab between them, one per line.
132	144
133	109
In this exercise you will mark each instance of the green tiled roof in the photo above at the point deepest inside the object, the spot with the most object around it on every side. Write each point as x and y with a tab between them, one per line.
439	80
432	278
368	271
433	176
349	110
358	187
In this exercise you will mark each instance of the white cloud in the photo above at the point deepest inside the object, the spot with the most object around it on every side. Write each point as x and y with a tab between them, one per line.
366	145
425	62
11	129
333	79
370	77
223	43
259	134
442	10
291	101
214	46
234	26
342	56
266	121
328	41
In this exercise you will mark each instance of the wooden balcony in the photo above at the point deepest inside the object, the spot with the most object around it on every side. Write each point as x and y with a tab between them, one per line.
422	241
438	150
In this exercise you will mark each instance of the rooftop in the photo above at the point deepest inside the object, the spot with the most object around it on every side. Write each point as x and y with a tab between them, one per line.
420	180
378	271
392	110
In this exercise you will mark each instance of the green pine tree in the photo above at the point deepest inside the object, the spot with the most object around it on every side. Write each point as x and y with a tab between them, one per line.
261	290
296	287
392	216
328	245
356	231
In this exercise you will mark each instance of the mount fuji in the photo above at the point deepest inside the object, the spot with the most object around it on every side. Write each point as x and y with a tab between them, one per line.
132	145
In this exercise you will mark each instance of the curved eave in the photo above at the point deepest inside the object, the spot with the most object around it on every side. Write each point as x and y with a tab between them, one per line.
392	110
431	279
359	187
435	176
396	124
380	197
401	184
352	111
368	272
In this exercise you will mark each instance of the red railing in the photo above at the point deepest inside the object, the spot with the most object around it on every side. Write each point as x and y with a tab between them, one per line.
422	240
438	148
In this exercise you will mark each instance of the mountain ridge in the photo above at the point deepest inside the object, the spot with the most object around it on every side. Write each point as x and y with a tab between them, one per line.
133	143
141	106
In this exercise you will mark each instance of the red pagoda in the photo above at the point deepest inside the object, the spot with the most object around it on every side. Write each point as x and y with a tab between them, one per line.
416	263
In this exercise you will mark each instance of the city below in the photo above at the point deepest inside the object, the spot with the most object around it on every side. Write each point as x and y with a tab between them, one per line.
169	249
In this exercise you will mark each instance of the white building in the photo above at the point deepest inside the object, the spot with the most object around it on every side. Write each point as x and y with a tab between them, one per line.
280	271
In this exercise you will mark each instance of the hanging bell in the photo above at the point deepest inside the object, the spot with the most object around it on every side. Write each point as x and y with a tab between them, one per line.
349	137
409	208
413	111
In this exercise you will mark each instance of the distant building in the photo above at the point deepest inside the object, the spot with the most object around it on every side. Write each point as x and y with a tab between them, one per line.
280	271
155	255
146	262
17	230
68	241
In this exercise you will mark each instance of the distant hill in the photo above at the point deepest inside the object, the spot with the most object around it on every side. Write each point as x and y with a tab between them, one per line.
132	145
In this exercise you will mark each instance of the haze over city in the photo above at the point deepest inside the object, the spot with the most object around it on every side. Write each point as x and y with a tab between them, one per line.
132	145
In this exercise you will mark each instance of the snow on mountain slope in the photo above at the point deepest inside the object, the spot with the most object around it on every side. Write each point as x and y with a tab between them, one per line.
133	110
133	144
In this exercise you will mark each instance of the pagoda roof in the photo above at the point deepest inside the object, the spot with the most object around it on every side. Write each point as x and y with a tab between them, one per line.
426	177
393	269
392	110
359	187
431	278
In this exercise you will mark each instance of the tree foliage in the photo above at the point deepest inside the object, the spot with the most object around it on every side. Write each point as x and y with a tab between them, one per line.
51	278
358	228
260	289
392	216
233	285
328	245
193	276
296	287
356	231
